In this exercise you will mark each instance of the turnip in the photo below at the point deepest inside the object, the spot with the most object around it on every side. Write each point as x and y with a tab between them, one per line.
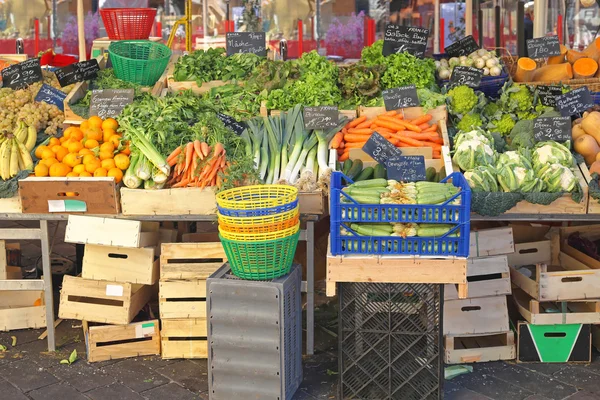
479	63
486	71
444	73
495	71
491	63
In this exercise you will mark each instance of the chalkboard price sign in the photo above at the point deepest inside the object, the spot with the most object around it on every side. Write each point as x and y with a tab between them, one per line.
380	149
88	69
406	168
50	95
321	117
548	94
246	42
232	123
78	72
552	128
400	97
21	75
398	38
543	47
574	102
109	103
462	47
468	76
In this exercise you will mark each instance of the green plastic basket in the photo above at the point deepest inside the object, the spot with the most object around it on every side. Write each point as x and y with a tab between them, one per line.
139	61
258	261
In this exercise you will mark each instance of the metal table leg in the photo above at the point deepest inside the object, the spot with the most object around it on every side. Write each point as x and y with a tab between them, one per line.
48	293
310	287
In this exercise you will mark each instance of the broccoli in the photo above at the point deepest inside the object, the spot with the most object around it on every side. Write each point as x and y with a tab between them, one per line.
503	126
462	100
469	121
490	110
522	135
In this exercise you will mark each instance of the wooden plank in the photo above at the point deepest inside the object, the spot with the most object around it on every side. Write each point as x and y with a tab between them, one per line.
487	276
531	254
98	194
3	264
11	205
76	94
494	347
491	242
190	260
184	348
181	201
103	231
476	316
18	310
189	327
120	264
578	311
134	340
313	203
182	299
22	284
593	204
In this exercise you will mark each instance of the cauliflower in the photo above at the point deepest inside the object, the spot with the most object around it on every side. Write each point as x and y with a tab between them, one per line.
474	152
523	98
469	121
482	179
503	126
462	99
558	178
551	152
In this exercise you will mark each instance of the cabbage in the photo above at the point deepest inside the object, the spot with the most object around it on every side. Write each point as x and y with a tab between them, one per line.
557	178
551	152
472	153
516	178
482	179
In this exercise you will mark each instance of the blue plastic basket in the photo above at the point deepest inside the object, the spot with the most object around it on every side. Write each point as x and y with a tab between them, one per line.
595	97
342	214
260	212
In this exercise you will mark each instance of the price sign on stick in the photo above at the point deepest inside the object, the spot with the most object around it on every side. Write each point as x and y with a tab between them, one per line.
321	117
462	47
543	47
380	149
574	102
232	123
109	103
398	38
246	42
548	94
50	95
21	75
406	168
78	72
552	128
400	97
469	76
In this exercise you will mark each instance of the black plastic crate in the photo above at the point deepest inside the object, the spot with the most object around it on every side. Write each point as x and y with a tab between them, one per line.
390	341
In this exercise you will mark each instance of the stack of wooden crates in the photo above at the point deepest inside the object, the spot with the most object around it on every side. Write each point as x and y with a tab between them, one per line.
119	275
477	329
184	268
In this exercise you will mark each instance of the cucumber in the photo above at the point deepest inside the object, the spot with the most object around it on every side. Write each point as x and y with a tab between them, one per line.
338	166
379	172
357	166
370	183
365	174
347	166
430	174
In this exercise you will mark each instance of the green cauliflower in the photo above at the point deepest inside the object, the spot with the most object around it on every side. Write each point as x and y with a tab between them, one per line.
490	110
516	98
503	126
521	136
469	121
462	100
526	115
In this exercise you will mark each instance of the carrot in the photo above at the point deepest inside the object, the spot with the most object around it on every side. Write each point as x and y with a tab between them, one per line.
423	125
357	121
399	116
390	125
354	145
342	145
360	131
344	157
337	139
204	148
410	126
434	146
432	128
422	119
189	150
365	124
198	149
385	130
218	149
354	137
194	164
181	183
174	154
413	142
214	171
433	137
172	162
387	118
390	113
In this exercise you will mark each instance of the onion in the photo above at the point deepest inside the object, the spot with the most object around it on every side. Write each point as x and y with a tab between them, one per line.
444	73
479	63
492	62
495	71
486	71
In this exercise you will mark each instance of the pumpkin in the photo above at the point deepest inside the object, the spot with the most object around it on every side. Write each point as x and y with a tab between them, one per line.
595	167
591	125
587	146
577	131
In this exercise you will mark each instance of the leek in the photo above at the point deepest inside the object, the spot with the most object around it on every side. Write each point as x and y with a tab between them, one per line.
147	149
306	147
273	127
143	169
300	138
324	139
130	179
158	177
289	132
310	160
264	156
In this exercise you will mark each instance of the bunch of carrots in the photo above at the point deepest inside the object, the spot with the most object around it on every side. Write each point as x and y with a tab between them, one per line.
196	164
392	126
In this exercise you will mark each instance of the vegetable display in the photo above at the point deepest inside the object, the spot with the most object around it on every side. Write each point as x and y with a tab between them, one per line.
488	61
212	64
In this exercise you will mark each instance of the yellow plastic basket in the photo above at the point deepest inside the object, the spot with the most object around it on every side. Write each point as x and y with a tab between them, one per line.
259	237
257	197
262	220
265	228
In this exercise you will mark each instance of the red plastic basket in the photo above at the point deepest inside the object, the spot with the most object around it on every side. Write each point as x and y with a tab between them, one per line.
128	23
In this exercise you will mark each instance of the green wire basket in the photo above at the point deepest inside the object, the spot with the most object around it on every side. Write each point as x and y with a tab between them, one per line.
264	260
139	61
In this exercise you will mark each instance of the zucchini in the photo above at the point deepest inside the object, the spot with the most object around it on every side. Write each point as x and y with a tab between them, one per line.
368	231
365	191
430	174
370	183
379	172
357	166
364	199
347	166
365	174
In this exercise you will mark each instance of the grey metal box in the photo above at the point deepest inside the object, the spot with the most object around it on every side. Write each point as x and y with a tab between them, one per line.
254	336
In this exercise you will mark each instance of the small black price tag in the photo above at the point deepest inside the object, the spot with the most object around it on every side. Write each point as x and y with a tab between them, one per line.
109	103
543	47
77	72
232	123
462	47
574	102
406	168
246	42
552	128
548	94
400	97
380	149
23	74
321	117
469	76
398	38
89	69
50	95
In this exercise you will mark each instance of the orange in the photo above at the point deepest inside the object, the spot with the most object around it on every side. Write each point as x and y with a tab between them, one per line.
78	169
93	133
116	173
61	153
59	169
107	133
84	174
122	161
72	175
95	122
92	166
104	155
62	140
110	123
53	142
108	164
71	160
90	143
85	151
40	149
115	140
108	147
126	149
41	170
67	132
100	172
75	147
47	153
88	158
84	125
73	133
49	161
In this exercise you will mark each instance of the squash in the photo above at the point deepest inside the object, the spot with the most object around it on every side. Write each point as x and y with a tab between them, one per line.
593	50
591	125
585	68
574	55
577	131
586	146
554	73
595	167
598	157
576	122
525	70
560	58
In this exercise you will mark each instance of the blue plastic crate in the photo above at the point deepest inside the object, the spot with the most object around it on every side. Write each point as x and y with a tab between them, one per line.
595	97
343	214
261	212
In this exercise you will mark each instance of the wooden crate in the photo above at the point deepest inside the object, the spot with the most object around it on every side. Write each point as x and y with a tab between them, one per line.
180	201
477	316
591	232
491	242
161	86
439	113
111	232
102	301
11	205
175	87
558	343
549	312
8	271
18	310
531	254
120	264
593	204
184	338
395	269
69	195
190	261
313	203
182	299
480	348
486	276
113	342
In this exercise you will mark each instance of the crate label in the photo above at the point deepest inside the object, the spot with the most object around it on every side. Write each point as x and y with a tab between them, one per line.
114	290
469	76
410	39
462	47
110	102
246	42
552	128
66	206
321	117
574	102
543	47
406	168
400	97
144	330
548	94
380	149
21	75
51	95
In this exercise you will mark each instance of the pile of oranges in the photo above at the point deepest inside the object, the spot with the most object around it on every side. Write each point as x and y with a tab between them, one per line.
92	149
